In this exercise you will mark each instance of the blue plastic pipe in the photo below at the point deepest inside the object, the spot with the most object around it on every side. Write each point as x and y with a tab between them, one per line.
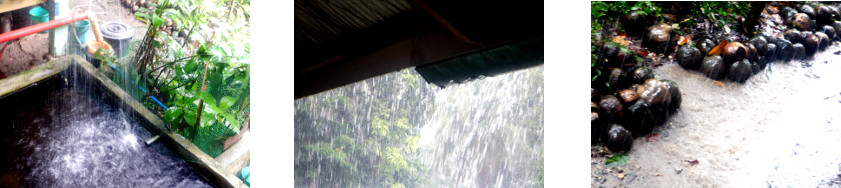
138	86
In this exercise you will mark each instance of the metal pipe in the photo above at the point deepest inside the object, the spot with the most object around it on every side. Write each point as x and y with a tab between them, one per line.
40	27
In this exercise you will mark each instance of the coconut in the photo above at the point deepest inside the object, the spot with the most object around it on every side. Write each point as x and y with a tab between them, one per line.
802	22
758	41
785	50
610	105
807	10
823	40
642	73
799	51
769	52
811	42
619	139
689	57
713	67
740	71
734	51
616	77
658	37
628	96
793	35
706	46
676	96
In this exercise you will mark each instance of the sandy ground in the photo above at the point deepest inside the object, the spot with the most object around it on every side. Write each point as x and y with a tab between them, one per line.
776	130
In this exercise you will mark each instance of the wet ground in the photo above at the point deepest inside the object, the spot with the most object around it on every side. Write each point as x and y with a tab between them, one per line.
779	129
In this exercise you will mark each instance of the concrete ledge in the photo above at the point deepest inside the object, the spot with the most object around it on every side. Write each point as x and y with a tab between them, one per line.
26	78
206	165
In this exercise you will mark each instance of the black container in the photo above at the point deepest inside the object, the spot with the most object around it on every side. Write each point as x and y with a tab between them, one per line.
21	17
118	35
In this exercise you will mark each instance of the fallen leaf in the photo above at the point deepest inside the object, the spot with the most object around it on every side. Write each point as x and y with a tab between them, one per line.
692	162
717	49
652	137
617	160
683	39
621	40
719	84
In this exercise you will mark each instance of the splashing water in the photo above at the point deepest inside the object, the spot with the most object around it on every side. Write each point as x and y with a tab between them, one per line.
486	132
60	136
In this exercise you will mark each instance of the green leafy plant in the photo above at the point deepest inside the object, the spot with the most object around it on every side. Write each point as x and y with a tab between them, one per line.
721	12
195	58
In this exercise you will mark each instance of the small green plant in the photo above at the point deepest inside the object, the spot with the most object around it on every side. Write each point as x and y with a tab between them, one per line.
721	12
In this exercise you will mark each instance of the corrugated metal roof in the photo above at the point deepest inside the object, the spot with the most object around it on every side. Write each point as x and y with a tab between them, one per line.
319	20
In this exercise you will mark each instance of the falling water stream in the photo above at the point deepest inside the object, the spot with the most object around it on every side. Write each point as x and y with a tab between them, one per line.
487	132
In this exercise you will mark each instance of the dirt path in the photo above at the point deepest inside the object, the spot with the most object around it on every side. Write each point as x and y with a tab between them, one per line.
777	129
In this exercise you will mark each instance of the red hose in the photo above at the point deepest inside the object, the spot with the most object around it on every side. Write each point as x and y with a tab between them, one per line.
40	27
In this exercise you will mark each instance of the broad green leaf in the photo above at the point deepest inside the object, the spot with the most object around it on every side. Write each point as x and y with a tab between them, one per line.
226	102
190	66
211	108
190	116
207	119
235	126
207	98
157	21
172	113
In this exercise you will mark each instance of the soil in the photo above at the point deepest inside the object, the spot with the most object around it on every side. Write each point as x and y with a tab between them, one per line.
33	50
22	54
